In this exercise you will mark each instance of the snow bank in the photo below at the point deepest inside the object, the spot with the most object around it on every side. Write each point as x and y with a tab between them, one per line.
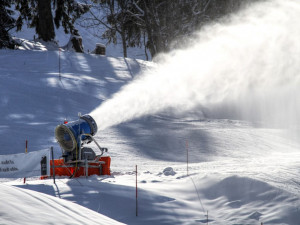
178	199
36	45
20	206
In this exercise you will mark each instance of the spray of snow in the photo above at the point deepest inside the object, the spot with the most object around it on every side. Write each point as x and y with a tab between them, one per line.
246	67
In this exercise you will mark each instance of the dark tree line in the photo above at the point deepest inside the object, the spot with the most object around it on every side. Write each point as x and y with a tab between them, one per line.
39	14
153	24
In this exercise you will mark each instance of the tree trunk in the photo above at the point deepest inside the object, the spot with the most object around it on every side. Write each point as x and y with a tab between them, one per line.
150	44
45	26
124	43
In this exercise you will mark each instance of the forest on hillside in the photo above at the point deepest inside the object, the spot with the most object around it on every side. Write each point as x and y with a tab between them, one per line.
155	25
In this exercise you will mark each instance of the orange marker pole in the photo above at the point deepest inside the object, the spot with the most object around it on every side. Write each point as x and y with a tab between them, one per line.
26	151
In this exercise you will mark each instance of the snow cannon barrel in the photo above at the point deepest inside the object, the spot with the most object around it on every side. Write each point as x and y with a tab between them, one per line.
71	135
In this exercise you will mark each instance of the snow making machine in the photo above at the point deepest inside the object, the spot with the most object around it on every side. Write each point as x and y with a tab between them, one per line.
77	159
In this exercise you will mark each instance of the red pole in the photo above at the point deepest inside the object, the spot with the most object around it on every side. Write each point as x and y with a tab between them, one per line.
26	144
136	192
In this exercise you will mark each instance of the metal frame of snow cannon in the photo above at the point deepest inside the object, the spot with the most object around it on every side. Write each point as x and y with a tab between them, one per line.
72	136
85	163
93	139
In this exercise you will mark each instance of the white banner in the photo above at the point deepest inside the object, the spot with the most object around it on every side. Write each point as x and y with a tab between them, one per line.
25	164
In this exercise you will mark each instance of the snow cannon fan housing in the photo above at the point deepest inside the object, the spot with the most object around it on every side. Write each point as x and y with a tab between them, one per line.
72	135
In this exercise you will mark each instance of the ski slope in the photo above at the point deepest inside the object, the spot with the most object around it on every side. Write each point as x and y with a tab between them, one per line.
240	171
20	206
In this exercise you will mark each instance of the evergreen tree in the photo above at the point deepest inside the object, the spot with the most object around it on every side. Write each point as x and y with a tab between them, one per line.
38	15
67	12
7	22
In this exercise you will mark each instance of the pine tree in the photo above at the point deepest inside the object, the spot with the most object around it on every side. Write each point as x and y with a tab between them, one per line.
7	22
38	14
67	12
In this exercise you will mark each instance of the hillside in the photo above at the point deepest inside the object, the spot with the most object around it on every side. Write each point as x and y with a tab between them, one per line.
34	99
228	158
228	104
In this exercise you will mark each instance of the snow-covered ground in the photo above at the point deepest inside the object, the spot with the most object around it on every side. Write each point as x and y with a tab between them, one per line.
239	171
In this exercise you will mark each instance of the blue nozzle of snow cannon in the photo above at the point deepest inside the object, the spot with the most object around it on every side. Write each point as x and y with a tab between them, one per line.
70	135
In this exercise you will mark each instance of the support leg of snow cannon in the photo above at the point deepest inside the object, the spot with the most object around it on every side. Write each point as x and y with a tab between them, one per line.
100	167
53	165
106	166
93	139
87	168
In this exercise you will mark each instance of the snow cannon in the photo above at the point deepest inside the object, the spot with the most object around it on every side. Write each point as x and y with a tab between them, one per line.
78	160
72	135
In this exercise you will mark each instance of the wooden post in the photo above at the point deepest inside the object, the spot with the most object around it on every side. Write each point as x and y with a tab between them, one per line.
53	166
86	169
136	192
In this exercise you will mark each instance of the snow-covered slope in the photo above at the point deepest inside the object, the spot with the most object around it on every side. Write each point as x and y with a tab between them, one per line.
239	171
34	98
20	206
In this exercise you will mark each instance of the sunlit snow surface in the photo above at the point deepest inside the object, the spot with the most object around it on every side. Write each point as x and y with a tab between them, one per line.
239	172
